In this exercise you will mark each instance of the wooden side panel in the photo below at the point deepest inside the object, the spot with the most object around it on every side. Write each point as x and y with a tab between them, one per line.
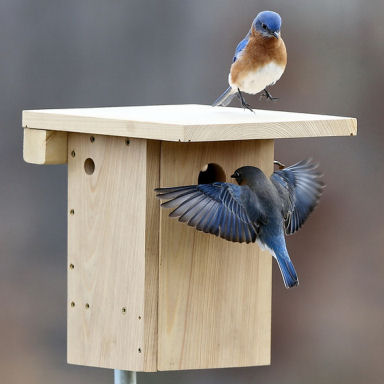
214	295
44	147
109	319
151	257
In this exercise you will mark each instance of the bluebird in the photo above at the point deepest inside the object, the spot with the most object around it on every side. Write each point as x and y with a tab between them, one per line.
258	209
259	61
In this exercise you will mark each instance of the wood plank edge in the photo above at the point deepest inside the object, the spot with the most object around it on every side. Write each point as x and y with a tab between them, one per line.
45	146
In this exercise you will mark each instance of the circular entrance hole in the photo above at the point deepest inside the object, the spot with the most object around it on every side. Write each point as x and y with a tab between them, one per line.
210	173
89	166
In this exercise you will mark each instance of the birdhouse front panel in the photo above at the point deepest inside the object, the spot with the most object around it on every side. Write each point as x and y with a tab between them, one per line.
113	220
214	295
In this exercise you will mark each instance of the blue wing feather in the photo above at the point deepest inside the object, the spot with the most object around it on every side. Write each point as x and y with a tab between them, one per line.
217	208
240	47
300	188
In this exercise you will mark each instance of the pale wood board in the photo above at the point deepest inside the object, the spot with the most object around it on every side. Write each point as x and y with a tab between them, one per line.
44	147
214	295
185	123
109	234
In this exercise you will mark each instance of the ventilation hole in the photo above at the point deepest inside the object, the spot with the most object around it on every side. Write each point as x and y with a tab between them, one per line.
89	166
71	266
210	173
92	139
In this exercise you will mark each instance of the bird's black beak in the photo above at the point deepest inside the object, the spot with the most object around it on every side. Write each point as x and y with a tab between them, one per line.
276	34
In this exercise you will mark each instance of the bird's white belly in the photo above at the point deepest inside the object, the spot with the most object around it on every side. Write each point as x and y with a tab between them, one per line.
255	81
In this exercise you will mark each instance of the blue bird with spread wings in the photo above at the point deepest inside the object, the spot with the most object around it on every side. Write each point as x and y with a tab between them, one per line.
258	209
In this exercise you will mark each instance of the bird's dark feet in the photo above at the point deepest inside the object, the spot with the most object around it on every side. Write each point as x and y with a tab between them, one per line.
280	165
267	95
244	104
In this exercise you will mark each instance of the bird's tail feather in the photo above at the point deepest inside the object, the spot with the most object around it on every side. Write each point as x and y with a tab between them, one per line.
225	98
287	269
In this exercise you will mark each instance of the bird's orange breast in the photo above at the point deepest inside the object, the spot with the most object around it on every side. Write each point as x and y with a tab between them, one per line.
260	51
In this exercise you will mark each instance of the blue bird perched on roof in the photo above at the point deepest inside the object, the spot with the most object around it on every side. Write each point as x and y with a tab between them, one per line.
259	61
257	209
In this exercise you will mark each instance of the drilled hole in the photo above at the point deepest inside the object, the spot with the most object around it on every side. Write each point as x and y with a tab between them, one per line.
92	139
71	266
72	212
139	317
73	153
72	304
210	173
124	310
127	142
139	350
87	306
89	166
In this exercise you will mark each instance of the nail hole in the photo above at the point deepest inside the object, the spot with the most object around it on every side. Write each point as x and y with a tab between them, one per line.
73	153
72	304
127	142
92	139
72	212
139	317
89	166
139	350
86	305
71	266
210	173
124	310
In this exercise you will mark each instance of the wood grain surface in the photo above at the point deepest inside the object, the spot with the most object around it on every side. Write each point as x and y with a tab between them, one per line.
214	296
186	123
112	252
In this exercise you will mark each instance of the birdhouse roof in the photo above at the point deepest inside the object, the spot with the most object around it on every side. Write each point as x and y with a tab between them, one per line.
194	123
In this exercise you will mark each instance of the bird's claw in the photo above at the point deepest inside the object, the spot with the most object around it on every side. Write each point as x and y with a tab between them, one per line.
267	95
244	104
280	165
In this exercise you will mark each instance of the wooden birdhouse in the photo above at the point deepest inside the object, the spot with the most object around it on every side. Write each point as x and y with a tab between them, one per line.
146	293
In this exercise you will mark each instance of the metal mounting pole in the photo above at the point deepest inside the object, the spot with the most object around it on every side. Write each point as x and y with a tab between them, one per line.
124	377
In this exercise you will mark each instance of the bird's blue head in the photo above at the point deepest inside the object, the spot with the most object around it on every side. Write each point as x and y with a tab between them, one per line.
268	23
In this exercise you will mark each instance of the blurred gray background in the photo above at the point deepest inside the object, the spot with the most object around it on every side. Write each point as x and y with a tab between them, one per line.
75	53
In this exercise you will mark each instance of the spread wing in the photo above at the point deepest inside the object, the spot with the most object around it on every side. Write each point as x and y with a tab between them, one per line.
299	187
240	47
223	209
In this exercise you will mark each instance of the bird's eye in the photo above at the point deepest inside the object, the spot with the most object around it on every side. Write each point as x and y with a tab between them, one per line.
264	26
